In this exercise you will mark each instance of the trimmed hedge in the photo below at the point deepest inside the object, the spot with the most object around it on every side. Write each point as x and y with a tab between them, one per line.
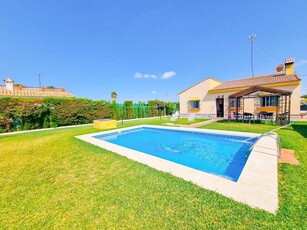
34	113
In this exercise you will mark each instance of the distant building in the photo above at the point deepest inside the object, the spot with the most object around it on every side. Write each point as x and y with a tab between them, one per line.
30	91
213	98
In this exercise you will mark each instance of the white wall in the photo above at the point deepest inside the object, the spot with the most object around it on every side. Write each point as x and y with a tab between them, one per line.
200	90
208	101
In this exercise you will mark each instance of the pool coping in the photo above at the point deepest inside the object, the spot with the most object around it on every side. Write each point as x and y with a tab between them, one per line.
257	186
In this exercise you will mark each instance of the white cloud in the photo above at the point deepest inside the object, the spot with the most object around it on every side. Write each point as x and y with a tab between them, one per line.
153	76
165	75
138	75
302	62
153	92
168	75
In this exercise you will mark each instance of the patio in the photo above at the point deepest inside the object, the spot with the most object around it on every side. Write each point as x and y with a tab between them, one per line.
263	103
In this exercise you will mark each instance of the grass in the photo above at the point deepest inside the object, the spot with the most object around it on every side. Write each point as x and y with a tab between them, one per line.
50	179
184	121
160	121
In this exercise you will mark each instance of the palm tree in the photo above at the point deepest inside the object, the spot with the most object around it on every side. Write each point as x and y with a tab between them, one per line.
114	95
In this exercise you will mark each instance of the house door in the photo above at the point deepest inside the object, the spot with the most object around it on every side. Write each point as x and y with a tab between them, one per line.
220	107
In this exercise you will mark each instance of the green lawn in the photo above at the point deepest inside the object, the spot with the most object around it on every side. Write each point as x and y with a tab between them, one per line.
181	121
184	121
50	179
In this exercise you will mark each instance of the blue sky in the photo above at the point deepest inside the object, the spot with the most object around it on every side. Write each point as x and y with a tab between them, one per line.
149	49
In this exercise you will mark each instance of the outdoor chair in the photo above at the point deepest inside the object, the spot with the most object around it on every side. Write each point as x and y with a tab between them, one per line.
267	117
270	116
263	115
191	117
237	115
174	117
248	117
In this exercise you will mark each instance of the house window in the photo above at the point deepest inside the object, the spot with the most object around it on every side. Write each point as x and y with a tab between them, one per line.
269	101
233	102
193	104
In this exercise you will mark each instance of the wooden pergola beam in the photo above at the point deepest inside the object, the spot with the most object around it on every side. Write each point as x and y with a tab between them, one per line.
277	92
257	88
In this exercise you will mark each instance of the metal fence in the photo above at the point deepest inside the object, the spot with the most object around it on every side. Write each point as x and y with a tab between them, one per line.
123	112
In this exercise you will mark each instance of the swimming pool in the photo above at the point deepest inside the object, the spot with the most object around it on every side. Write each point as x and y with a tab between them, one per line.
222	155
254	182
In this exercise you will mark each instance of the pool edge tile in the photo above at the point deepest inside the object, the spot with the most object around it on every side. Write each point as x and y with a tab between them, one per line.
256	187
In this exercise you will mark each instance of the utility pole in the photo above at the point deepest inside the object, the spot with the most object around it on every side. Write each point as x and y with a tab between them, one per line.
252	38
39	80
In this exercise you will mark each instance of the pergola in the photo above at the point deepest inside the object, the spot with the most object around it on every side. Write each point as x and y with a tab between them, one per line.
281	110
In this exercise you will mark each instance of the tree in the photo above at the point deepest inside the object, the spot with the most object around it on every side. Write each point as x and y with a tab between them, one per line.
114	106
114	95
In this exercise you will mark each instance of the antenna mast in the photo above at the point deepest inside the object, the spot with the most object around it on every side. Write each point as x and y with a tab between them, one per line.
252	38
39	80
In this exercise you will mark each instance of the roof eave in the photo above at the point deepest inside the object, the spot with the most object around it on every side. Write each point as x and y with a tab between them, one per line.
197	84
287	83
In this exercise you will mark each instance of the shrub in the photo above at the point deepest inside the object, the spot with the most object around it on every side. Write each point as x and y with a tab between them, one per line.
129	111
51	112
33	113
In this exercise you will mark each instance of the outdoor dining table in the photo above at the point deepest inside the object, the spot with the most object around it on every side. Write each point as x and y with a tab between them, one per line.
248	115
265	115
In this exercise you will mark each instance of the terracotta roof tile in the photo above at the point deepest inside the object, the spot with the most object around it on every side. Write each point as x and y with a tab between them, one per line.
261	80
258	88
34	93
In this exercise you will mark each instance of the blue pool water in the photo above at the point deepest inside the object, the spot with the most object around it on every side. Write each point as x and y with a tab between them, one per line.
222	155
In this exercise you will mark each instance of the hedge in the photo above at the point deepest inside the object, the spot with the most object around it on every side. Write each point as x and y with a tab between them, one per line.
31	113
34	113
